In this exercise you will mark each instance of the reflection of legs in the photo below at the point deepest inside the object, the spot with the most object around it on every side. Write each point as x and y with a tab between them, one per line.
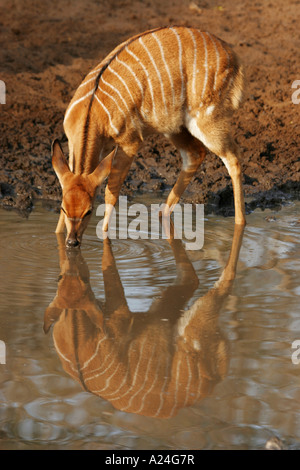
114	292
119	318
173	299
122	163
227	277
193	153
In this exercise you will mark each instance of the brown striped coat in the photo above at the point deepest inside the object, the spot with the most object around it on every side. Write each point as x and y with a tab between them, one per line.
177	81
150	363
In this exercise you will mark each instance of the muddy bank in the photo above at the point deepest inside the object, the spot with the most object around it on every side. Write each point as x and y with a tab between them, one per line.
48	47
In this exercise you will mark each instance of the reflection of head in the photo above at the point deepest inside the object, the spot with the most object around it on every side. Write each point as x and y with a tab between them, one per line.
74	291
138	362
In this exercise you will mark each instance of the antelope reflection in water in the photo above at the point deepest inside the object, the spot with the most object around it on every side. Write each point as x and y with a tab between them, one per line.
136	361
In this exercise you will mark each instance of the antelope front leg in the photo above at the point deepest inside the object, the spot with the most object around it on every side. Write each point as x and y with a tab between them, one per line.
122	163
193	153
61	223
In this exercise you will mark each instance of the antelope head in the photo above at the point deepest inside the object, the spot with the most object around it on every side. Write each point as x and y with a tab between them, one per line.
79	191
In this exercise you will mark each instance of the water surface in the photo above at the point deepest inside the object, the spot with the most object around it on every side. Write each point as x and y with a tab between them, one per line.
139	344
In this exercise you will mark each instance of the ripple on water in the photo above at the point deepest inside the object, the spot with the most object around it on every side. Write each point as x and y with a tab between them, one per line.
32	430
40	404
48	409
28	248
127	249
141	264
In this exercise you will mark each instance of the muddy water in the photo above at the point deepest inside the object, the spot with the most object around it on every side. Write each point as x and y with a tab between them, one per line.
139	344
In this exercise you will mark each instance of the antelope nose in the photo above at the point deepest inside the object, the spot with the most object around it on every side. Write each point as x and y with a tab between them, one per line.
72	242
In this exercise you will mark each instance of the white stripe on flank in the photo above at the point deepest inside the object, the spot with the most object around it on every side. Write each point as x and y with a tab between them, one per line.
187	389
122	81
135	376
87	81
124	381
145	379
108	114
102	370
109	358
205	66
64	357
166	66
103	363
144	398
116	91
113	365
180	60
198	394
157	72
76	102
162	392
132	73
113	99
137	81
93	72
194	62
107	381
176	388
121	98
217	60
148	79
86	363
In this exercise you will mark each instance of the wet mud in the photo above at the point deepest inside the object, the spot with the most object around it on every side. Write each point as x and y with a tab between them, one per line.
48	47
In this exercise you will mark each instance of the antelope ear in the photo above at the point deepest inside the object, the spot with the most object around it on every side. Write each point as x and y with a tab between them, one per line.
59	162
103	169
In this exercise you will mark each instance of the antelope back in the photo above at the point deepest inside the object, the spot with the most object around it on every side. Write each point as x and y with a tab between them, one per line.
154	81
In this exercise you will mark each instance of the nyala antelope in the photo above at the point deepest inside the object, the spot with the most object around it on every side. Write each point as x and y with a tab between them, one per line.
176	81
134	360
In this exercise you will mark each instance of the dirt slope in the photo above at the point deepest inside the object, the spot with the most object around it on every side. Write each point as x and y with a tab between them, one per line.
48	47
